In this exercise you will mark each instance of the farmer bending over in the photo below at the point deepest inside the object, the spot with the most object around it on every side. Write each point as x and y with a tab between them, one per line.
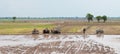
84	30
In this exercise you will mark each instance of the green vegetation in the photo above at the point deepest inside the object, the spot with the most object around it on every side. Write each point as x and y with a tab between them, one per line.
26	28
14	18
89	17
104	18
73	27
26	25
22	28
98	18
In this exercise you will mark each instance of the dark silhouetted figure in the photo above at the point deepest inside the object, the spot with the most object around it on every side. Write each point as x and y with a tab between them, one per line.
46	31
100	33
35	31
55	31
84	30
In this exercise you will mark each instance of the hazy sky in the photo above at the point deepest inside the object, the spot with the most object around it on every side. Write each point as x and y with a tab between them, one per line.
56	8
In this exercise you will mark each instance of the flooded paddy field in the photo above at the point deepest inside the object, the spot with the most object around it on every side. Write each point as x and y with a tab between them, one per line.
59	44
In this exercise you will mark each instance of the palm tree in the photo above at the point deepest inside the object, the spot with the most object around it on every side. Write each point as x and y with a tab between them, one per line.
98	18
104	18
89	17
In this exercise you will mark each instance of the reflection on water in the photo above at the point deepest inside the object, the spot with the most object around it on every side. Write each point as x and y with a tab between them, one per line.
35	36
66	41
115	39
100	35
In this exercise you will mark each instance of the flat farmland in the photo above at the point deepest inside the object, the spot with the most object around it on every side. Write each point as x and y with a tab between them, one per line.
69	26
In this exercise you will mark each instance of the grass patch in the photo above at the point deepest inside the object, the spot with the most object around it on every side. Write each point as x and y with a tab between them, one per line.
72	29
22	28
26	28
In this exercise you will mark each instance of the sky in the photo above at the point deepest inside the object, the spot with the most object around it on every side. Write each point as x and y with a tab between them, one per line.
59	8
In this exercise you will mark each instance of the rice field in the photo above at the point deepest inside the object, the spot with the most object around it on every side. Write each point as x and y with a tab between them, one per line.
67	27
22	28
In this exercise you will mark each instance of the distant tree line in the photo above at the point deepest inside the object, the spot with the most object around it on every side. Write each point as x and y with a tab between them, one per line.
89	17
98	18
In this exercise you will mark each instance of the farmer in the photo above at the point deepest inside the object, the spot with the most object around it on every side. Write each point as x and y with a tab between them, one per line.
46	31
55	31
84	30
100	33
35	31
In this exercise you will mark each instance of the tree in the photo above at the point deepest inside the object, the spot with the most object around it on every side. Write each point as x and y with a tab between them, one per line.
14	18
89	17
104	18
98	18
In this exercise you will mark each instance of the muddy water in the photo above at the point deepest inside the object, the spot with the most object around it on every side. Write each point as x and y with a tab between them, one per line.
28	41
